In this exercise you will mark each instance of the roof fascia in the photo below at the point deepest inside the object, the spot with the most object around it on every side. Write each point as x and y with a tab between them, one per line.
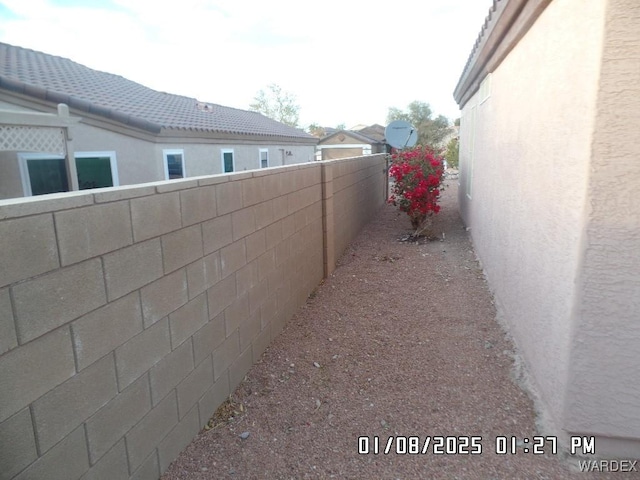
508	21
352	134
164	135
203	136
93	120
75	103
37	119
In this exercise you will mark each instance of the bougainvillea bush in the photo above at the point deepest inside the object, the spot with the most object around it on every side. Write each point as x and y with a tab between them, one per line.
418	175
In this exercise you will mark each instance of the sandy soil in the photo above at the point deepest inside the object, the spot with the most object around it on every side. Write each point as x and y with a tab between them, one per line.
400	341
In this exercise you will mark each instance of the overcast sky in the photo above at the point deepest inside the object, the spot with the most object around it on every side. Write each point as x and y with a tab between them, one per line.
346	62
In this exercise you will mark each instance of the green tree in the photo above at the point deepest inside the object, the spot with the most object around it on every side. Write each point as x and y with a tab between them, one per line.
277	104
452	154
431	131
341	126
316	130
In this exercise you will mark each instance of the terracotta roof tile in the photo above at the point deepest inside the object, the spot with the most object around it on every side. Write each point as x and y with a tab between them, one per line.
61	80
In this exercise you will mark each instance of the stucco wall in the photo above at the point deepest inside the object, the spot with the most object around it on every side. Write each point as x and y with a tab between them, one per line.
335	153
525	154
9	172
604	382
141	161
128	314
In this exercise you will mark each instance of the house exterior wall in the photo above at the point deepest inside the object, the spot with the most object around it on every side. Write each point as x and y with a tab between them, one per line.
604	383
341	139
335	153
347	146
129	314
549	177
141	161
10	184
525	154
138	160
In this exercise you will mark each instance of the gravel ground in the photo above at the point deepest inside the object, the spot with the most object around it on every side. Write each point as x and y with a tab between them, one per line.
400	341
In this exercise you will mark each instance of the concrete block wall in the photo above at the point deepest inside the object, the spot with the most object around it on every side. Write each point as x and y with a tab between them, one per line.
359	183
128	315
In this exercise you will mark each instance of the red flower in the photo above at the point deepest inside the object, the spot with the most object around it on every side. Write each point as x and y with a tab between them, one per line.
418	176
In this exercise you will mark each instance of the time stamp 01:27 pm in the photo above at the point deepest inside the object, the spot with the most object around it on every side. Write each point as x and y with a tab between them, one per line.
470	445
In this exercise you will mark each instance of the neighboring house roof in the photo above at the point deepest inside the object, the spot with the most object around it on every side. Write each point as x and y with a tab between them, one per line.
374	131
349	133
60	80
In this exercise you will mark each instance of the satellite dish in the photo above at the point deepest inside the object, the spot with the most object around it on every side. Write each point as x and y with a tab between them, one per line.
401	134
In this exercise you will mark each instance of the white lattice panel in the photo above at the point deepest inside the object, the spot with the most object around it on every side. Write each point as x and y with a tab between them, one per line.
32	139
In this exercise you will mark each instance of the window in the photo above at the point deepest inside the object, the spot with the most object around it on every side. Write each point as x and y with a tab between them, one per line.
227	160
485	89
96	169
264	157
42	174
173	164
471	140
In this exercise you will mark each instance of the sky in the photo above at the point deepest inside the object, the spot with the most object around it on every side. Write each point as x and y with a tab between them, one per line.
345	62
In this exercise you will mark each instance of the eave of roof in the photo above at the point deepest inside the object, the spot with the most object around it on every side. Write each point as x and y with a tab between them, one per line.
51	79
76	103
506	23
353	134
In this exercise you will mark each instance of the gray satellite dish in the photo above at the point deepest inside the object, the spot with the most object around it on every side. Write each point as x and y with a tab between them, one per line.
401	134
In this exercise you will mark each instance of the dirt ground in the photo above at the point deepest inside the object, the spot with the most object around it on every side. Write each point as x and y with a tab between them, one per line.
401	341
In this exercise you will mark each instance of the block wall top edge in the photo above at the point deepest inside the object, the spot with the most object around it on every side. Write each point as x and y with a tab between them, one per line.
374	157
27	206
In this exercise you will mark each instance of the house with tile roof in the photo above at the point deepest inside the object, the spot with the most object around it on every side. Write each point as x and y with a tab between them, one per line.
127	133
351	143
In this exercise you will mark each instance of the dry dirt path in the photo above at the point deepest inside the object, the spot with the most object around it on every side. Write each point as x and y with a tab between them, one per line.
400	341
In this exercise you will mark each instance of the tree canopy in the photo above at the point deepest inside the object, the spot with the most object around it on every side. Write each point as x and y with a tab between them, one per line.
277	104
431	131
316	130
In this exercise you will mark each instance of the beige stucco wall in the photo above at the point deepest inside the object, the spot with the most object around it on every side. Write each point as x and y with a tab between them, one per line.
604	377
525	154
140	161
335	153
9	172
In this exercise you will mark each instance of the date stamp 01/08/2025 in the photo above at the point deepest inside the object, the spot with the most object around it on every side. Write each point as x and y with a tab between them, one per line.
500	445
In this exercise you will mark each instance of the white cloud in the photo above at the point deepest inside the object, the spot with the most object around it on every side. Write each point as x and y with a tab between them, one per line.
345	62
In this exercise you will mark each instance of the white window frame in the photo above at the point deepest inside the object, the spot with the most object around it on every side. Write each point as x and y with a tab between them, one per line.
112	160
24	170
484	92
173	151
260	152
471	152
233	159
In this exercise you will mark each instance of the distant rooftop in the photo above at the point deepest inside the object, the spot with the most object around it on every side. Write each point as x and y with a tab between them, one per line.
60	80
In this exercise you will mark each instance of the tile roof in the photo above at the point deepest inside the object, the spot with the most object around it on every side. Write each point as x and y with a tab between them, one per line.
61	80
353	134
375	131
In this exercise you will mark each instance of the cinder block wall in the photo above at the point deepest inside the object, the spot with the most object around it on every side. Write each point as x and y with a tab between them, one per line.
127	315
358	183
